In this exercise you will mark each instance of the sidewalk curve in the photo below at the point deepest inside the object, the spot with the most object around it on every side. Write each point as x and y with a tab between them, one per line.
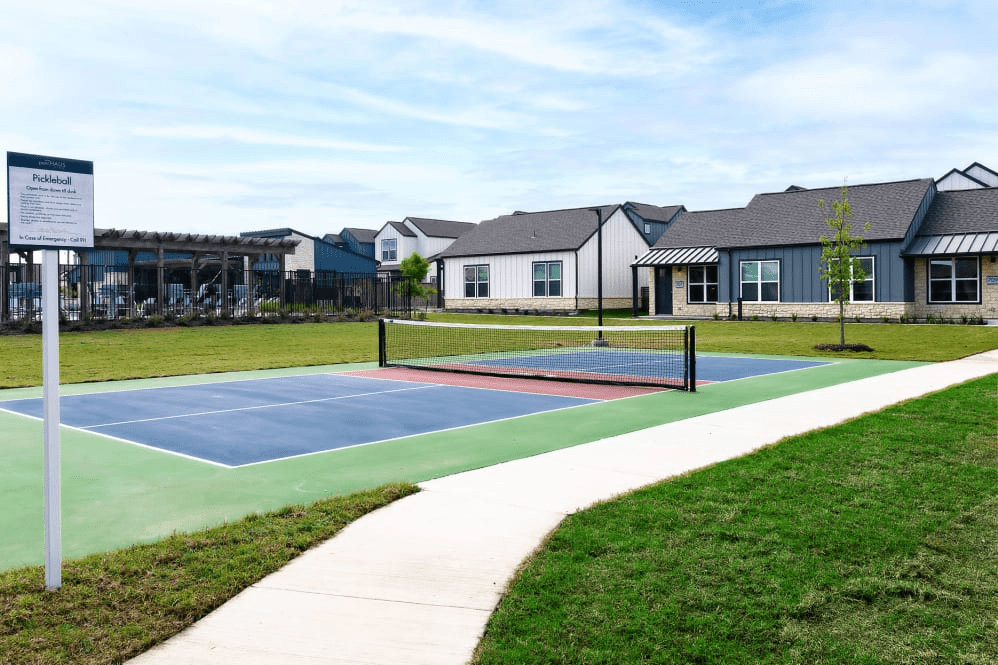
416	581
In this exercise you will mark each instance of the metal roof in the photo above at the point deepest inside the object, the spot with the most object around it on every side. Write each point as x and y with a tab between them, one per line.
954	243
678	256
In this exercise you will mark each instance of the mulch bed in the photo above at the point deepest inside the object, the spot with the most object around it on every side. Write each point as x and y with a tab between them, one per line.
842	347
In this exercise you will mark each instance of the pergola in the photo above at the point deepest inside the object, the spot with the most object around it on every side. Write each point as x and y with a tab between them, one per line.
203	250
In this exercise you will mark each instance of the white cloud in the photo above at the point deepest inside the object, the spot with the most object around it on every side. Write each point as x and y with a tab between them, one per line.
242	135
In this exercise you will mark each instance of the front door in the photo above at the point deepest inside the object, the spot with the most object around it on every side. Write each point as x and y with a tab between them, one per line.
663	290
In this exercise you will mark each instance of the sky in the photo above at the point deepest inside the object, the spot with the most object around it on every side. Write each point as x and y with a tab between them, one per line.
218	117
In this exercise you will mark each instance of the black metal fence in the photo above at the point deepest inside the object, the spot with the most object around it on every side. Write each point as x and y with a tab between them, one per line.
95	292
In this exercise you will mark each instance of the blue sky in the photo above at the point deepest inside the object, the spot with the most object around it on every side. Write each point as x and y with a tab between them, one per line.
219	117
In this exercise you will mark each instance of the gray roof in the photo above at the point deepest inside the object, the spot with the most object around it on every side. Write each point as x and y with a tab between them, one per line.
529	232
794	218
962	211
703	228
402	229
362	235
653	213
441	228
332	238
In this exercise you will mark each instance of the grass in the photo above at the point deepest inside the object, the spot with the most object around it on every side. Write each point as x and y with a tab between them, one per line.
872	542
137	353
888	341
114	606
876	541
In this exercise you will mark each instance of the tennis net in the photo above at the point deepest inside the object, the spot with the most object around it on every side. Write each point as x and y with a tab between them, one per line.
626	355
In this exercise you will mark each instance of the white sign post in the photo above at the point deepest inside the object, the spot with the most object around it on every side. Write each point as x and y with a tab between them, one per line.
50	206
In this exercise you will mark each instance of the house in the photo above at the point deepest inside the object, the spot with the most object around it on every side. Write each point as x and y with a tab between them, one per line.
927	252
313	254
764	257
955	256
427	237
360	241
550	260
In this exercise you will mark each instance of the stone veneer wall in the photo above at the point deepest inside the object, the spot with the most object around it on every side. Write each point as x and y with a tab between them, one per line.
919	309
987	308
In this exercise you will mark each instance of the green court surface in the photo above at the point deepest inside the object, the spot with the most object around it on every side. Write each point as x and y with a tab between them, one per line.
115	494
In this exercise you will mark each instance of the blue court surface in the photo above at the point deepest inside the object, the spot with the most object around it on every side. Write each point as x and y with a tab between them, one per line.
631	363
235	423
713	369
244	422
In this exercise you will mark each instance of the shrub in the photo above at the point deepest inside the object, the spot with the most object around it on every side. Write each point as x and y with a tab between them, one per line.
793	317
755	317
814	318
717	316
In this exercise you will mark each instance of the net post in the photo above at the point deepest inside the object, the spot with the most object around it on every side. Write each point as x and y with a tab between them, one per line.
692	353
382	360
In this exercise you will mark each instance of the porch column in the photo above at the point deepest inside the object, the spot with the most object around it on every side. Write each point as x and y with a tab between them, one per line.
227	306
84	285
131	304
282	278
160	277
634	291
194	279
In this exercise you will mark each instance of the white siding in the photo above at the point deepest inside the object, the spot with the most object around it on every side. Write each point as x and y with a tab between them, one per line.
622	244
983	175
404	245
955	181
510	275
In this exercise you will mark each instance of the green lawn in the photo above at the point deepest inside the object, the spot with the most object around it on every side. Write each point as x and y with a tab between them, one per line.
123	354
114	606
872	542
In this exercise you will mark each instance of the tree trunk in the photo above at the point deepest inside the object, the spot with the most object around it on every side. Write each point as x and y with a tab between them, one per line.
842	323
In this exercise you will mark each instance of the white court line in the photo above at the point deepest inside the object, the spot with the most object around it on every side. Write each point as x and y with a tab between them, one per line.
251	408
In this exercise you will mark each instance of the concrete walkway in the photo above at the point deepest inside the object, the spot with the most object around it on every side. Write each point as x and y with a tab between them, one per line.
416	581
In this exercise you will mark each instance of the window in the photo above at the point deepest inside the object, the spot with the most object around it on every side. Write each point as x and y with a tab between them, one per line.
547	279
954	280
702	284
647	229
388	248
760	281
859	291
476	281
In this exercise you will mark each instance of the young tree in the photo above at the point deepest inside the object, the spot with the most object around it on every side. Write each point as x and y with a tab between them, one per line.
415	268
838	265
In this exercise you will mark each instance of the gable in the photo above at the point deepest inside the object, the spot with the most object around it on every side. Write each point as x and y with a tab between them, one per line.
983	174
957	180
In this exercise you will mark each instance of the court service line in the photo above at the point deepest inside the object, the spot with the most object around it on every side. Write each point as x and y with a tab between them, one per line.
251	408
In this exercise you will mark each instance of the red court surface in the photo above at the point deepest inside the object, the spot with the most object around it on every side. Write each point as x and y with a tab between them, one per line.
539	387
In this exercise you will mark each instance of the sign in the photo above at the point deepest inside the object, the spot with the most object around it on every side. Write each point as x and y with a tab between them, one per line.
679	284
992	280
50	202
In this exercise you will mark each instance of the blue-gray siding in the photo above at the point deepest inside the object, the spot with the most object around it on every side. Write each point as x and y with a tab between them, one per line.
363	248
330	257
799	272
